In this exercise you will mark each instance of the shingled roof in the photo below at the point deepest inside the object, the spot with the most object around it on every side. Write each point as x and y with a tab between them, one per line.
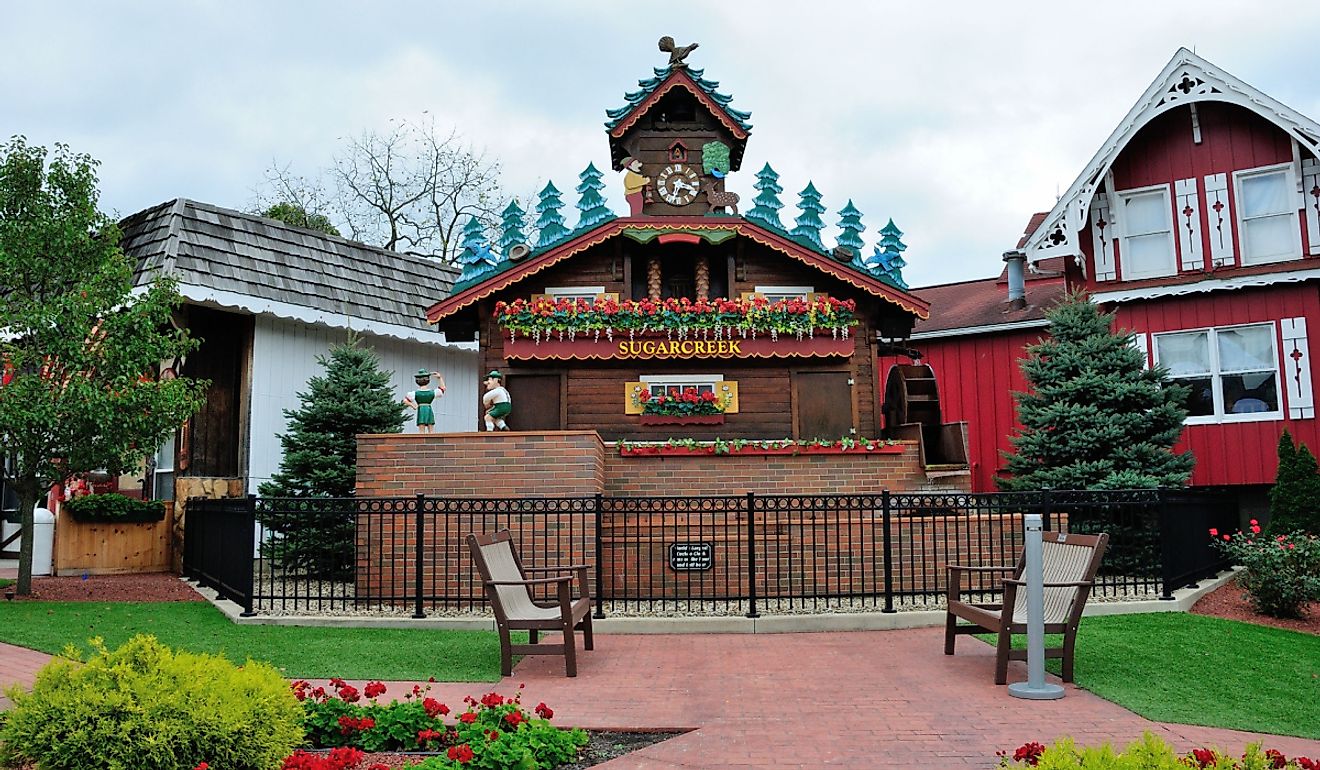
262	266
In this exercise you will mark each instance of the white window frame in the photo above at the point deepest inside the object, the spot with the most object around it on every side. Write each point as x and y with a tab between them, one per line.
680	381
1217	391
776	293
1290	187
1126	268
158	467
589	293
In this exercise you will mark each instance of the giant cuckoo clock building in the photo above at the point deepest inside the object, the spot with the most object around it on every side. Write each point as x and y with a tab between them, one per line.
699	343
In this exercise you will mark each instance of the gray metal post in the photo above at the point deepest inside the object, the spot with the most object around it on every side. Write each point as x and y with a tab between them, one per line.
1035	688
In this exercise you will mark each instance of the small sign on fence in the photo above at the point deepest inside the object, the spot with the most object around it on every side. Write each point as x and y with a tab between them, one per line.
691	557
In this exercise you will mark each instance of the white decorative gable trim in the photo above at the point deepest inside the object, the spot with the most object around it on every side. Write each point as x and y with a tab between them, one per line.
1186	79
1188	210
1102	238
1206	286
1297	369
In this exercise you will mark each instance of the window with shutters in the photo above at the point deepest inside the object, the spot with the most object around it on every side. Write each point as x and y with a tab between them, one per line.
1146	248
777	293
1232	372
1267	215
588	293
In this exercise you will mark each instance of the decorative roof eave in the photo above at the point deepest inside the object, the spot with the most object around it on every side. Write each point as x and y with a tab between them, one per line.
1201	287
780	243
679	77
1186	79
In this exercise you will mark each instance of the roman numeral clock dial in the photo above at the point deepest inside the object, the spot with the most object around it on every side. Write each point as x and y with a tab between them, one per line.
677	184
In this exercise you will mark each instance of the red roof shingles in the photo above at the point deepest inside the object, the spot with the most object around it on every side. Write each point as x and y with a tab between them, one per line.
970	304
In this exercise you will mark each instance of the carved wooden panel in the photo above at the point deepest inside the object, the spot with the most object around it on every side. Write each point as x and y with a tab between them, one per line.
1219	221
1187	204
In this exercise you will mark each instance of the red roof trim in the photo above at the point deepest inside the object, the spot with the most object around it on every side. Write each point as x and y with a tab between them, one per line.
875	287
678	78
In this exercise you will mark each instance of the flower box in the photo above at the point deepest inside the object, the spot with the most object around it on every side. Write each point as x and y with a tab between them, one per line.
682	419
755	449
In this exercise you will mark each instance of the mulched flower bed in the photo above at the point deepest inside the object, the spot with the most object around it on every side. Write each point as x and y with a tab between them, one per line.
149	587
1231	603
604	746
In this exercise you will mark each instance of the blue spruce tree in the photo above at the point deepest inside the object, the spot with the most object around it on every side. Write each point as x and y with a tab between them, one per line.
511	228
549	222
887	262
809	223
591	206
766	206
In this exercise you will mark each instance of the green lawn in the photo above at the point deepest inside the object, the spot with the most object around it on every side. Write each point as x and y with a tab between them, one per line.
1198	670
300	652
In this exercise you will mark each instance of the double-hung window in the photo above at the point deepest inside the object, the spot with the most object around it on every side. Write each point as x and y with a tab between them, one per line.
162	475
1232	372
1267	215
660	385
588	293
1146	221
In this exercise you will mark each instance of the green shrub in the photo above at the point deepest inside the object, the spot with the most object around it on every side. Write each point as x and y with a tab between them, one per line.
1148	753
1296	490
1282	572
114	508
146	707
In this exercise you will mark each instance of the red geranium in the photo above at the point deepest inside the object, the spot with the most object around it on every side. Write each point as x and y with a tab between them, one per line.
373	690
543	711
434	708
514	718
467	717
461	754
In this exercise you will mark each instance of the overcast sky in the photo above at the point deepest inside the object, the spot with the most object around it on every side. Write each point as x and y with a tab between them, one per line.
958	120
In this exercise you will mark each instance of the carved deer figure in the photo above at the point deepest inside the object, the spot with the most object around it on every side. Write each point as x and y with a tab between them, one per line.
717	198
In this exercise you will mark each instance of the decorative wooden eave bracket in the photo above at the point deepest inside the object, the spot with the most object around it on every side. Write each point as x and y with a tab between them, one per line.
644	229
1185	80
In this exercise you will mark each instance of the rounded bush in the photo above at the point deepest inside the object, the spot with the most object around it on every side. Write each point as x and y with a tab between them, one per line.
147	707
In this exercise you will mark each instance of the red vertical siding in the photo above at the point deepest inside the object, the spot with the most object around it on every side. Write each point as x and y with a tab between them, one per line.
1234	453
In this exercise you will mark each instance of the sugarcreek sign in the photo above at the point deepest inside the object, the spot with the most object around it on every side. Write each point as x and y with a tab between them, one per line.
750	347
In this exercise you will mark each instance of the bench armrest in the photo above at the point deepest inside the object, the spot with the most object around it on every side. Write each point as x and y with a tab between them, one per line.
560	568
1069	584
964	568
531	582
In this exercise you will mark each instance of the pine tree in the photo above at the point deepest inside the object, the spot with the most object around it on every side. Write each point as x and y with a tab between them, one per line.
320	460
851	229
1296	490
549	222
591	206
887	262
1095	417
766	206
809	224
512	221
476	259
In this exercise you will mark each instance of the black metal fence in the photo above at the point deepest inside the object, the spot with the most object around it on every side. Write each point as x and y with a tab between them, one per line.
743	554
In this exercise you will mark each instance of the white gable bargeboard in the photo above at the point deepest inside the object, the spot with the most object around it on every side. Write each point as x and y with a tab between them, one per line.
284	358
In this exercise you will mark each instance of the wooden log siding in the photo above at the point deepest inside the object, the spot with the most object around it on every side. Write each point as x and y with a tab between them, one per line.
594	389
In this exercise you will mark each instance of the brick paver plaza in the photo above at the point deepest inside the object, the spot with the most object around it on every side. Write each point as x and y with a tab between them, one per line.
879	699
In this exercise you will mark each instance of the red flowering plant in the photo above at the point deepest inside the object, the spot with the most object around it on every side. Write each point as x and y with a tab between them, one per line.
714	319
1282	572
685	402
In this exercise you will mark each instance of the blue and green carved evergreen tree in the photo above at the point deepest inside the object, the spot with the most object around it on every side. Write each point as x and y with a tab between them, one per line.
766	206
591	206
511	228
549	222
476	259
887	262
850	232
809	224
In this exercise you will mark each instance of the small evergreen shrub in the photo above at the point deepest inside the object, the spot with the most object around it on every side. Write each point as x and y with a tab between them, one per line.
114	509
1295	497
146	707
1147	753
1282	571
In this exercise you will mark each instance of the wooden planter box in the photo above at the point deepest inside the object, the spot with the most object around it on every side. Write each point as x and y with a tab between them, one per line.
682	419
754	451
98	548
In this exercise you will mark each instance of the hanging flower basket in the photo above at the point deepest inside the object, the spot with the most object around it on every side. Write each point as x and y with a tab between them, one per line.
682	419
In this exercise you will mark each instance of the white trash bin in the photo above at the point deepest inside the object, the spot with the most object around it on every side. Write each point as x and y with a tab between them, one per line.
43	541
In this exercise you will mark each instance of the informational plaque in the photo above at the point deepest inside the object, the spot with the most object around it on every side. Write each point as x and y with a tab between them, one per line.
691	557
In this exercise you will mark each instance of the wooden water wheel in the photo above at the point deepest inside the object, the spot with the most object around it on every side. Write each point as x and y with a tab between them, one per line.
911	396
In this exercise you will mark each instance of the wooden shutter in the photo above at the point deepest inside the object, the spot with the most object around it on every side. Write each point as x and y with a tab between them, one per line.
1219	219
1141	341
748	296
1311	199
816	296
612	296
1297	369
1187	209
1102	237
541	297
632	391
731	388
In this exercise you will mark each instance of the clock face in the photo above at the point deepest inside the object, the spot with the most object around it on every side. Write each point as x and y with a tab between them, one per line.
677	184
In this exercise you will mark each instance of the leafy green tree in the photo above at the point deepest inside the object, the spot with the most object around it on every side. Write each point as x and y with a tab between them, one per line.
320	461
79	349
297	216
1095	417
1296	491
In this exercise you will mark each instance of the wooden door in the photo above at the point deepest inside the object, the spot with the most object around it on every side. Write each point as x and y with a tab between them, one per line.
823	405
538	401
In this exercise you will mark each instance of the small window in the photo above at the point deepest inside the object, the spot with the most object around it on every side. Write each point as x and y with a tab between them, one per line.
1147	243
589	293
1232	372
1267	212
661	384
777	293
162	477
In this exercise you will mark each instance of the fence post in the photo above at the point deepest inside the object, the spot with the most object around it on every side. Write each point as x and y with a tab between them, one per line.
419	556
600	568
1166	546
251	518
751	556
886	508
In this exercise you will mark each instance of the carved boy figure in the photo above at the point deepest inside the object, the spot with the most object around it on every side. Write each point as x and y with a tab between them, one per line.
497	402
421	399
634	185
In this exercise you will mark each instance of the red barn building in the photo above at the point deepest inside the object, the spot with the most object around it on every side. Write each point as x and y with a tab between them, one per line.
1197	222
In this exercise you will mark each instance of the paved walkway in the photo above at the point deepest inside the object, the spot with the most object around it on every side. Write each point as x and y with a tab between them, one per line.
880	699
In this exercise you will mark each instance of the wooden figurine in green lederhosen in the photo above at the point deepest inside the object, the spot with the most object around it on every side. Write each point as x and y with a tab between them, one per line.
421	399
497	402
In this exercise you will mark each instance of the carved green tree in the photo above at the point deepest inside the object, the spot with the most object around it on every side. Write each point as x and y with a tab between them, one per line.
808	223
591	206
851	229
475	259
766	206
887	262
512	221
79	348
549	222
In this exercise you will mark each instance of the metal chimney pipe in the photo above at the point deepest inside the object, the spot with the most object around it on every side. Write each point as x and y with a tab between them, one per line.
1017	279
